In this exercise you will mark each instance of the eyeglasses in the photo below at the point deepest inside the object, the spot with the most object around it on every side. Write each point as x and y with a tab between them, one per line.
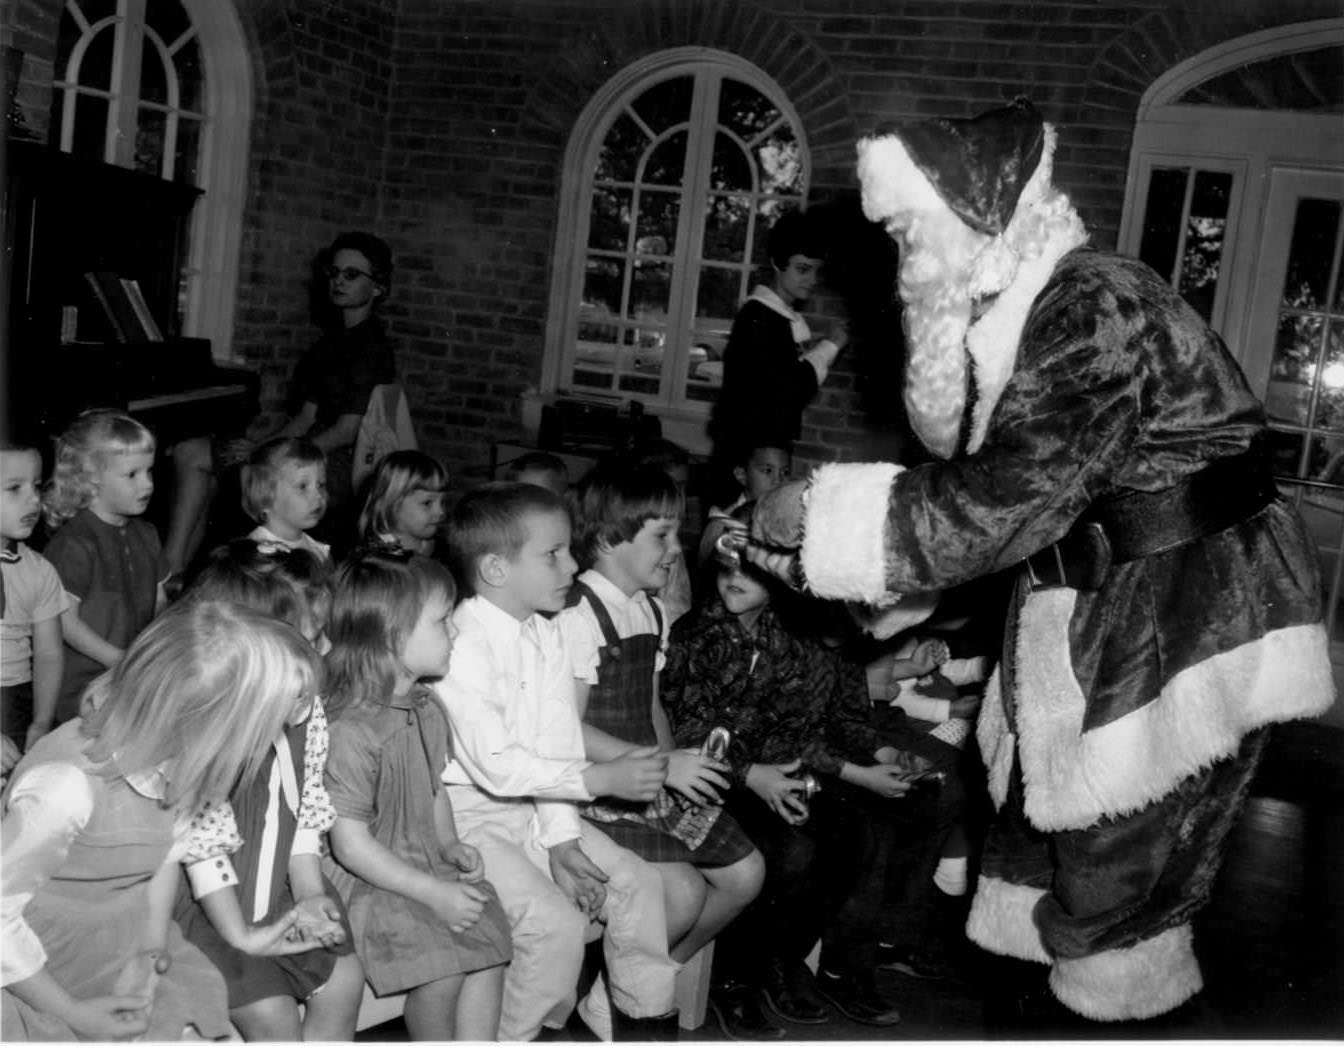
348	274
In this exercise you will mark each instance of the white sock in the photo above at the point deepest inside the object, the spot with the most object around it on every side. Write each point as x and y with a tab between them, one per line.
950	875
595	1010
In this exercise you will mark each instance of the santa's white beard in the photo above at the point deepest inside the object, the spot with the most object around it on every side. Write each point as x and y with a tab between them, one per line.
935	290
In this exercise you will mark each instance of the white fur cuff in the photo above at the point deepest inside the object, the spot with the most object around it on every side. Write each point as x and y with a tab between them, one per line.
1001	920
844	537
1128	984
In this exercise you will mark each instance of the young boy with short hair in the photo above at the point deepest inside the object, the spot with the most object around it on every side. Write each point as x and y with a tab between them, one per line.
760	470
541	469
615	630
518	772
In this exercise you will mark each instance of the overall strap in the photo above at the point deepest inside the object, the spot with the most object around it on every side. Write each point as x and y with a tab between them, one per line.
609	634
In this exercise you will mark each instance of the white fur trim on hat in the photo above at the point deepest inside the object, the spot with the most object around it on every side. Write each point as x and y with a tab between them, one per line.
844	536
1152	977
1001	919
1072	778
891	182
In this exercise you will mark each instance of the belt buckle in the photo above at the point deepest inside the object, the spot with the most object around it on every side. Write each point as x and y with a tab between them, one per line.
1081	559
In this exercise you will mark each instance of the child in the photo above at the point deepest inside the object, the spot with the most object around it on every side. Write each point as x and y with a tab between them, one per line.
91	819
405	503
284	488
760	470
425	920
794	708
539	468
31	604
616	636
109	560
518	769
673	460
282	817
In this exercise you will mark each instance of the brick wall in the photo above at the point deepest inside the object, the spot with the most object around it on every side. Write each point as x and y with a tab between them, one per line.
443	125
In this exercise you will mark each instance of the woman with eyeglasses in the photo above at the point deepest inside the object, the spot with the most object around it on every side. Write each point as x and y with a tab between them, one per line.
330	389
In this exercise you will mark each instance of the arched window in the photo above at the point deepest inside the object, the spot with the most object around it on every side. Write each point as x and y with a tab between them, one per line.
674	172
163	87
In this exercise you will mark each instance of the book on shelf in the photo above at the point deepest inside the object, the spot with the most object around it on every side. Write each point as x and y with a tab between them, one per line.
148	326
119	308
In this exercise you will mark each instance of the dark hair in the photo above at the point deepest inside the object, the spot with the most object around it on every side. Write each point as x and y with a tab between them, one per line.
613	501
262	471
536	461
660	454
795	232
375	603
373	248
286	583
490	520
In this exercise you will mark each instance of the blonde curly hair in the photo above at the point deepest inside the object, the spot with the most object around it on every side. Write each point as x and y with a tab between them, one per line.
82	452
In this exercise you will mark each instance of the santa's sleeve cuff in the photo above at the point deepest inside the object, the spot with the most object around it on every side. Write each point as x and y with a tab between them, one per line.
844	538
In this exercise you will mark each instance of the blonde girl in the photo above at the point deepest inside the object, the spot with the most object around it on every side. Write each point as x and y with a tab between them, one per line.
405	503
425	921
278	867
94	827
109	559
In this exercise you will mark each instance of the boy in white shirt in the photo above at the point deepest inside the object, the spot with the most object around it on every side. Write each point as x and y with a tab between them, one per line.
518	771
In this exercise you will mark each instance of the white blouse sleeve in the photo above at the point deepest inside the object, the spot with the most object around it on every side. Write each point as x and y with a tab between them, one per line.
316	814
47	809
204	848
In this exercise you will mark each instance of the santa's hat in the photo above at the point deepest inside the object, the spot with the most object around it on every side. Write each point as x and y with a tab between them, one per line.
977	167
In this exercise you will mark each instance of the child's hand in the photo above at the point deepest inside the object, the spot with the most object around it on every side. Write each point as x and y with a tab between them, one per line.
581	880
782	793
885	780
109	1018
466	859
318	920
458	904
967	707
697	777
928	655
637	776
282	937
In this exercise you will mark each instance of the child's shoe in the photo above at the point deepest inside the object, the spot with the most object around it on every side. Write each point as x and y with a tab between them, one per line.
738	1011
857	1000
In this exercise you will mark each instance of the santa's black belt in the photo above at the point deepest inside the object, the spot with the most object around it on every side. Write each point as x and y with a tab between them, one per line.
1132	524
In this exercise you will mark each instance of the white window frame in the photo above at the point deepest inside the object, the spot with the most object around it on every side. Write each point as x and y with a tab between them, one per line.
215	238
683	420
1248	143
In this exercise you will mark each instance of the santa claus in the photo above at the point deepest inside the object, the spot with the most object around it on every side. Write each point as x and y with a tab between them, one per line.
1094	432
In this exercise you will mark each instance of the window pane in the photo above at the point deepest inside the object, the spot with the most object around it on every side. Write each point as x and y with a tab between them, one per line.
726	227
732	166
621	149
90	139
719	294
1292	370
167	18
1315	229
1285	448
190	81
95	67
153	76
643	362
609	224
188	149
602	284
744	110
149	131
1330	399
649	291
1204	239
1162	219
781	165
667	163
666	104
656	225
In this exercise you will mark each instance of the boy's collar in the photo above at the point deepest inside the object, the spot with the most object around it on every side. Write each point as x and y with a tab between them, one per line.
607	590
772	301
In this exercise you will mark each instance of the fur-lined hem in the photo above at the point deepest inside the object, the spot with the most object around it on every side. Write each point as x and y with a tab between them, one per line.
997	743
1131	984
1074	778
1001	920
844	539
